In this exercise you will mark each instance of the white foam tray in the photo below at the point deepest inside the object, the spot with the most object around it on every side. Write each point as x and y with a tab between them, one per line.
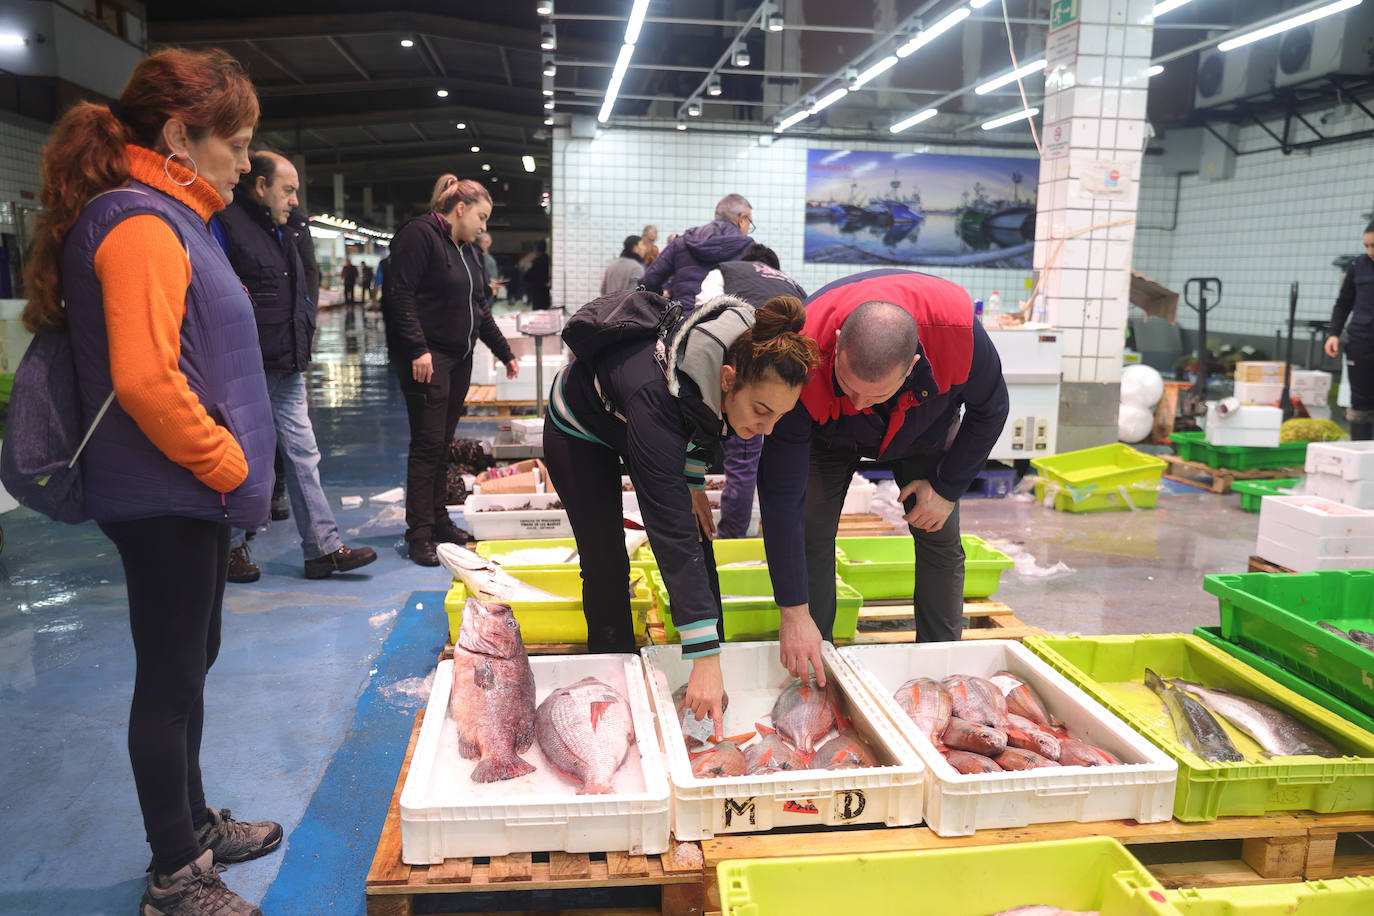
1142	788
1357	493
1316	516
444	814
1305	559
1349	460
703	808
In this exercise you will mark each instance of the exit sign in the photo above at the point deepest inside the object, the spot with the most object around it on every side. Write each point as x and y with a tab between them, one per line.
1062	13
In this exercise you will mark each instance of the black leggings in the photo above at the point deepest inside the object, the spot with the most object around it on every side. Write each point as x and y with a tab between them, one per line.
434	409
175	569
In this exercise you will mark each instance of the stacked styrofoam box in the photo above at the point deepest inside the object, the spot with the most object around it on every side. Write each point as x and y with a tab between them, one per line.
1247	425
484	365
1267	393
529	430
1342	471
1259	382
1312	386
1306	533
523	387
1260	371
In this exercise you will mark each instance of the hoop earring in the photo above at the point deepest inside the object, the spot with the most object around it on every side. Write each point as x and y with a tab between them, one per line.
195	171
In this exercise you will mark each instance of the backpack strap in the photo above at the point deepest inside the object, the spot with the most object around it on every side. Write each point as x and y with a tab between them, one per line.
91	430
665	326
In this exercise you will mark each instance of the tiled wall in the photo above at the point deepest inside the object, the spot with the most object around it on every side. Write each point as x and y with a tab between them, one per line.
1280	219
21	145
610	187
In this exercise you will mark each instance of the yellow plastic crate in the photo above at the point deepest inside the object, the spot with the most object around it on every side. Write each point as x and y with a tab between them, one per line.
558	621
643	558
1095	479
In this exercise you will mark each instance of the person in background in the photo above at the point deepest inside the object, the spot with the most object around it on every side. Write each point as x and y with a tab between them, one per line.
349	275
1354	312
539	278
434	309
624	272
650	248
489	268
264	253
726	367
123	259
365	276
680	267
755	278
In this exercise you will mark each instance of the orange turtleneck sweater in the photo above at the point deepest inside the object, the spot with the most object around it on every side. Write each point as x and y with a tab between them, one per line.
144	274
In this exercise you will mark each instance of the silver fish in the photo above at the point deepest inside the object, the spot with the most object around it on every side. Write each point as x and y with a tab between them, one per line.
487	580
1199	731
1277	732
1358	637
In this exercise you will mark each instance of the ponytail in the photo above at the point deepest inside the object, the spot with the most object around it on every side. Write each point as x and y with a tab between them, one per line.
776	345
449	191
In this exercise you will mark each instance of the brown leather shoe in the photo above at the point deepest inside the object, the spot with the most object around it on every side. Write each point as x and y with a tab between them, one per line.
242	569
422	553
446	532
341	560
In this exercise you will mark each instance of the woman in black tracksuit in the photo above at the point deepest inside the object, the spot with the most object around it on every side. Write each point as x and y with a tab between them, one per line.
664	410
435	308
1356	303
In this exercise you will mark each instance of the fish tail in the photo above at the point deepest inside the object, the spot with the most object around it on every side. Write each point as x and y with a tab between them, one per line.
495	769
1154	682
597	788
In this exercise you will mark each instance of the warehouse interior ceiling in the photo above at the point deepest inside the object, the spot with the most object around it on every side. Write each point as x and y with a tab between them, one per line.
379	94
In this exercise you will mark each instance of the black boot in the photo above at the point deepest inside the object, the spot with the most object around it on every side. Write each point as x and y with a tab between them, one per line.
1362	430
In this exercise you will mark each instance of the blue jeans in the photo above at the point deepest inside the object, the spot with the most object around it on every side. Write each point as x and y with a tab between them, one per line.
741	473
301	466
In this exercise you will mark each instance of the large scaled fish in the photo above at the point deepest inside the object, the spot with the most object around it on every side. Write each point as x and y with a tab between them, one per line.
1025	734
1014	758
1022	700
1277	732
493	692
696	733
803	713
1076	753
968	736
928	704
586	731
968	763
845	751
1197	728
720	760
771	754
1358	637
976	700
485	579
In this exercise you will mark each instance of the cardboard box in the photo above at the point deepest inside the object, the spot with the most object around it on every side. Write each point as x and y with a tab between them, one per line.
528	476
1260	371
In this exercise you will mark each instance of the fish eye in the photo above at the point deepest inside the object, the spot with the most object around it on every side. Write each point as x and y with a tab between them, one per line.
510	623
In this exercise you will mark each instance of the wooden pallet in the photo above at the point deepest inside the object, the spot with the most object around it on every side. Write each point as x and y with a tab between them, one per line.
862	526
1273	849
1220	479
1259	564
393	887
484	396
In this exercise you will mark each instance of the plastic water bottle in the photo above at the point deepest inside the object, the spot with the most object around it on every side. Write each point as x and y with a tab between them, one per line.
1039	311
978	310
994	310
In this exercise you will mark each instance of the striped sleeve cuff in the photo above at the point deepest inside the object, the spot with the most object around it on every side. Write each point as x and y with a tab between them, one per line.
699	638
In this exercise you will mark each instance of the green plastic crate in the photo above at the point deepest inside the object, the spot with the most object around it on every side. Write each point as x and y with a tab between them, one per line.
1098	479
642	559
885	567
558	621
754	615
1327	897
1287	678
1092	873
729	550
1276	615
1112	670
1193	446
1253	491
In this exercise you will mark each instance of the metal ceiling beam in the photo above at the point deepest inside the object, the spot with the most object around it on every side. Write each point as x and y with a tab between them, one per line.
348	56
370	135
678	68
423	136
401	116
433	55
385	148
505	65
475	87
736	24
291	74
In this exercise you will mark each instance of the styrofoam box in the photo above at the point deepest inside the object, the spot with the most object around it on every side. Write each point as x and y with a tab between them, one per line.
703	808
1298	559
1242	436
1317	517
1259	392
523	387
1351	460
1311	385
1315	547
1258	370
484	365
486	517
1358	493
444	814
1247	416
503	500
858	499
527	429
1141	788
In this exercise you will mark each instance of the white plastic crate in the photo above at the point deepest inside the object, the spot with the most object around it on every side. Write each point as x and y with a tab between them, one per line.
1315	517
1303	558
703	808
1357	493
444	814
1349	460
523	387
499	516
1142	788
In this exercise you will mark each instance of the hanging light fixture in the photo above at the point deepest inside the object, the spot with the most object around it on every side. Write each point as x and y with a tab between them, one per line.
544	7
713	85
693	108
739	55
550	68
407	42
547	40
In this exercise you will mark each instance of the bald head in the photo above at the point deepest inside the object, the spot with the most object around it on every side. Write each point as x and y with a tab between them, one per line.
877	340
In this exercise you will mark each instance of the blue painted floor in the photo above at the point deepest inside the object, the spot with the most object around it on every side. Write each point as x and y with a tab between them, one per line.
310	705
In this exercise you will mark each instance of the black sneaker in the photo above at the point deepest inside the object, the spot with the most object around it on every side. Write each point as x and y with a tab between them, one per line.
448	533
241	566
281	508
341	560
237	841
195	890
422	553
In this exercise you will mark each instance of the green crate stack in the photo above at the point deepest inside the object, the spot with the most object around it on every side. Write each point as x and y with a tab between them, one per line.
1252	492
1193	446
882	568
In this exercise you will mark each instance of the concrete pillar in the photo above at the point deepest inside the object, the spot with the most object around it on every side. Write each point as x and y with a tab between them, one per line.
390	218
367	203
338	194
1093	134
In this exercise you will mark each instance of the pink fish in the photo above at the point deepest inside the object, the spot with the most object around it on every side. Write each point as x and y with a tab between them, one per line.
1075	753
1014	758
492	702
1022	700
970	763
771	754
846	751
968	736
928	704
803	713
1025	734
976	700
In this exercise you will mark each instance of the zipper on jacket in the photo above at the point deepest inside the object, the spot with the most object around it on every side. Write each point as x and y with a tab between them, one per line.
224	506
472	315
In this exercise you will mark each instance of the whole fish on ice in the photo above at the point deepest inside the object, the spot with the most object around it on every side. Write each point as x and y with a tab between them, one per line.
803	713
928	704
1076	753
492	701
970	736
1028	735
1277	732
586	731
720	760
1015	758
1195	726
485	579
968	763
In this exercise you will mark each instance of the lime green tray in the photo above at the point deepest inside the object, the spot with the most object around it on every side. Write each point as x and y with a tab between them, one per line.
751	613
1093	873
558	621
1193	446
642	559
885	567
1285	677
1276	616
1327	897
1253	491
727	551
1096	479
1112	670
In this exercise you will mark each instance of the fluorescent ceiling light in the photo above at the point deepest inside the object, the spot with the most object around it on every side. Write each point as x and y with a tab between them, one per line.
928	35
878	69
828	100
1013	76
1012	118
622	64
486	166
636	21
1155	70
795	118
476	149
1320	12
527	162
913	120
1168	6
407	43
544	7
441	93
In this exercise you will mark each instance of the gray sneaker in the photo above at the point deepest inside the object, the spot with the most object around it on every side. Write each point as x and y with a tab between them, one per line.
237	841
195	890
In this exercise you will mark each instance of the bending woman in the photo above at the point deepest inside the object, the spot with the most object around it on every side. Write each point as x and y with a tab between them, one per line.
725	369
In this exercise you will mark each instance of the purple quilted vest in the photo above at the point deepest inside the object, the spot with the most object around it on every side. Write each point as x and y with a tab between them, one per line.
126	476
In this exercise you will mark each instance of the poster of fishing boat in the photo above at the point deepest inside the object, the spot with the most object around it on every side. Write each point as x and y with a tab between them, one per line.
925	209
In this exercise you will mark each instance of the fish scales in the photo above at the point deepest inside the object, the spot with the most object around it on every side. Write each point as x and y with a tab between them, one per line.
928	704
1274	730
720	761
975	699
492	701
803	714
1195	726
586	731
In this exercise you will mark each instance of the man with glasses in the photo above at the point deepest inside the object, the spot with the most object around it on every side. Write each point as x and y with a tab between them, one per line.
684	262
907	378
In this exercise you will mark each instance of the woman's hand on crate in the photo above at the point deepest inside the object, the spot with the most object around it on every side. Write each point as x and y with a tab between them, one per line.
701	508
799	643
706	693
930	510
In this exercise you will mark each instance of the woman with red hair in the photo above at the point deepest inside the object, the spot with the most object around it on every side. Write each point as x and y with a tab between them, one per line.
171	381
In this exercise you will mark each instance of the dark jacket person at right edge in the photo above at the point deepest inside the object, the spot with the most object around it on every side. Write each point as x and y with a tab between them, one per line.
1354	312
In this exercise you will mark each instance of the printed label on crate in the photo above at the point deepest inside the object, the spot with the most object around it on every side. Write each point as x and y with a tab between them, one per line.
540	524
737	811
800	806
849	805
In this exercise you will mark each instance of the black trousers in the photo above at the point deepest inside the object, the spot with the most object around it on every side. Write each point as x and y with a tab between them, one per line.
587	477
1359	354
175	569
349	286
939	593
434	409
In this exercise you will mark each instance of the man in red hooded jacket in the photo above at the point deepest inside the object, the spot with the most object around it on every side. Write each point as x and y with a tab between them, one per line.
907	378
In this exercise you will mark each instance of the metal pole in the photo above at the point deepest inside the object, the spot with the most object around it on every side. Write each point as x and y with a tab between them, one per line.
539	376
1286	399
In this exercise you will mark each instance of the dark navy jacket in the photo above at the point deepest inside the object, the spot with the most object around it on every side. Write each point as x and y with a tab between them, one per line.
126	476
680	268
1355	303
268	262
